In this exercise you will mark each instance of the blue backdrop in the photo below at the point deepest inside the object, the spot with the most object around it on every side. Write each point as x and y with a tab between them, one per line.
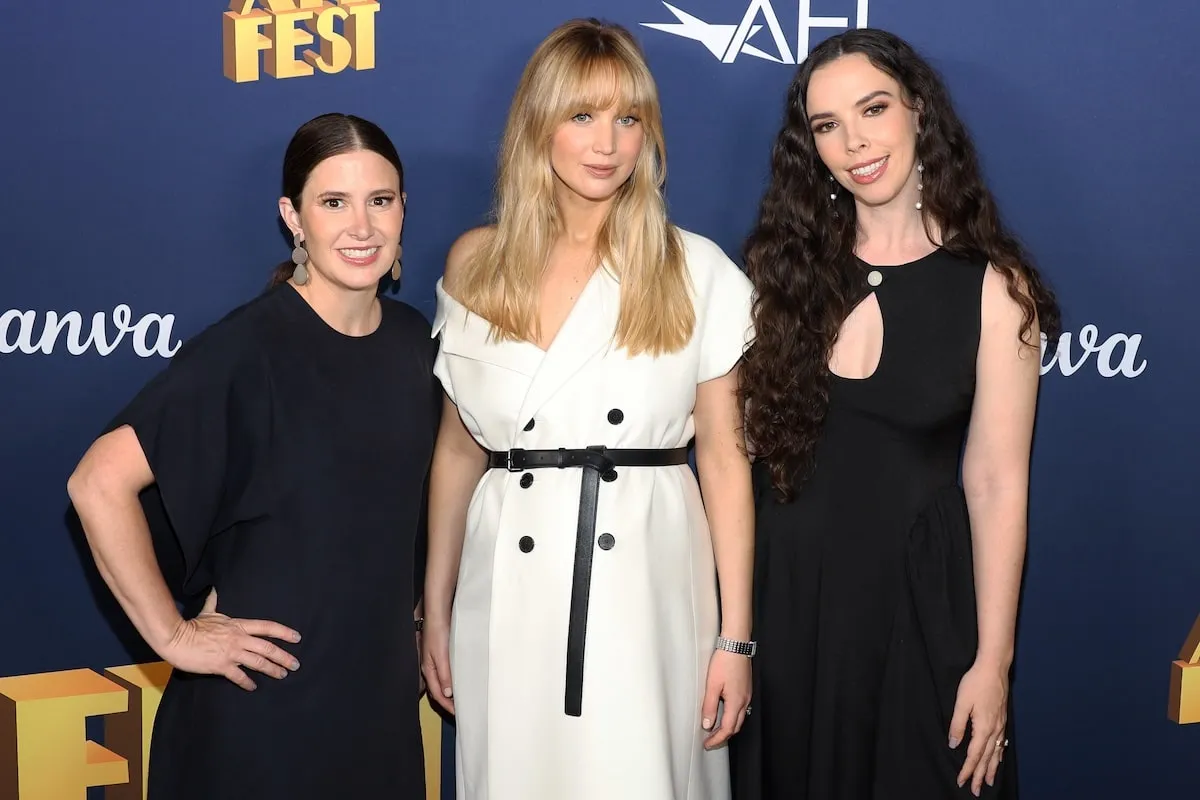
139	204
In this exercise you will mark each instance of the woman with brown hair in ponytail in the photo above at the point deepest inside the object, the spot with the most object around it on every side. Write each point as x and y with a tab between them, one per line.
898	333
290	507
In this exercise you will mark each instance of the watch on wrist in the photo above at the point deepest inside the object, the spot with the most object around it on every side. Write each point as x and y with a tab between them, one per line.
419	624
747	649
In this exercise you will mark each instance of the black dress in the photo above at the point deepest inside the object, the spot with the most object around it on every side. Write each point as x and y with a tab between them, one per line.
864	591
290	463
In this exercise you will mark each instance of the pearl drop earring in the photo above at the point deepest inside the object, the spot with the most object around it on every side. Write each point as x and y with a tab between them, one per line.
920	185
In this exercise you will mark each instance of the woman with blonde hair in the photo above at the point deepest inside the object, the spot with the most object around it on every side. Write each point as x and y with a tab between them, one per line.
572	620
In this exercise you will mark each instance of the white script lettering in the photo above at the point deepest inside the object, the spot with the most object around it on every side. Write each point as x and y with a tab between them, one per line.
19	331
1119	343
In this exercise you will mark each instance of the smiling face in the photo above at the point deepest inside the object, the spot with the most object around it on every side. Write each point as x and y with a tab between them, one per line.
865	133
350	215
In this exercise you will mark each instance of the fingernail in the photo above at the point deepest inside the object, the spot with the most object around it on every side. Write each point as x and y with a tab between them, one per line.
448	692
706	723
295	636
295	665
954	744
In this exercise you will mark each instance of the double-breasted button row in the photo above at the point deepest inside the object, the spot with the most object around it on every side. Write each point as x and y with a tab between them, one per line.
606	541
615	417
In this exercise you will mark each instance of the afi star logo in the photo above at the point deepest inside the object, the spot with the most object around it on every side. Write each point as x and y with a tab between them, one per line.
726	42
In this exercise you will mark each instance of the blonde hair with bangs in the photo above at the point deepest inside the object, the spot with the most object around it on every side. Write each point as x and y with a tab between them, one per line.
582	66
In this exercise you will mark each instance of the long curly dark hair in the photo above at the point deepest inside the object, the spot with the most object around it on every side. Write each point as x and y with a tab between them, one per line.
800	253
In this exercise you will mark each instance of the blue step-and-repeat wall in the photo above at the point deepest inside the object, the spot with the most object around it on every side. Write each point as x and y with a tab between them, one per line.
139	171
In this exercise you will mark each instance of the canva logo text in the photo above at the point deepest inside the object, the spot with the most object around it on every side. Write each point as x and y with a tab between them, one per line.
23	331
1115	355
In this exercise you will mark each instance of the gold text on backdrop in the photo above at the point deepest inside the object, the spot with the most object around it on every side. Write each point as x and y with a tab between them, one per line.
45	752
1184	706
344	34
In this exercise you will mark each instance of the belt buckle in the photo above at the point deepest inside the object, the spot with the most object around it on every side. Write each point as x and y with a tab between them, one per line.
605	463
510	465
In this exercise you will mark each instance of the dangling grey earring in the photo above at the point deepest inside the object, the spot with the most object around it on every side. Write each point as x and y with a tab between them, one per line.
300	259
832	189
399	245
920	185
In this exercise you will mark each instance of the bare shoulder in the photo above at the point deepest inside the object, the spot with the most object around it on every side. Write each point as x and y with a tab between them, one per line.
1001	313
461	251
998	302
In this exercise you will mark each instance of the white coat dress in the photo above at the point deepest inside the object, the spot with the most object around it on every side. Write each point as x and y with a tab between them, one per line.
653	615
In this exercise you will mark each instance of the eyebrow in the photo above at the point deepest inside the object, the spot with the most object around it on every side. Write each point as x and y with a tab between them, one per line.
335	195
862	102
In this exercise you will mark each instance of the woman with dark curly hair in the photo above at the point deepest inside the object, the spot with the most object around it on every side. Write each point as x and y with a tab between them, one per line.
898	331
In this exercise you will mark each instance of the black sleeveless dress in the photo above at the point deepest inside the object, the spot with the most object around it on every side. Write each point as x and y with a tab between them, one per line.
864	592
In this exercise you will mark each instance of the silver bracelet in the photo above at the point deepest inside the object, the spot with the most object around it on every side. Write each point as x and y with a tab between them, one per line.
741	648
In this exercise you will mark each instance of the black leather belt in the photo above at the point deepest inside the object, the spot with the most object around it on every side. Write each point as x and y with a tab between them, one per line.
597	462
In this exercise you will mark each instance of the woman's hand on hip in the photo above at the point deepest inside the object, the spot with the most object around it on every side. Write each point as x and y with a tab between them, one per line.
212	643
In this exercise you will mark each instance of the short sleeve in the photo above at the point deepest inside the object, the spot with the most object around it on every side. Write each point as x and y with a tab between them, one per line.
442	372
725	297
441	369
203	424
421	544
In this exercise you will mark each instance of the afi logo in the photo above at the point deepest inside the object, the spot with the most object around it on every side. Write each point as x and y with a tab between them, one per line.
727	42
344	34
